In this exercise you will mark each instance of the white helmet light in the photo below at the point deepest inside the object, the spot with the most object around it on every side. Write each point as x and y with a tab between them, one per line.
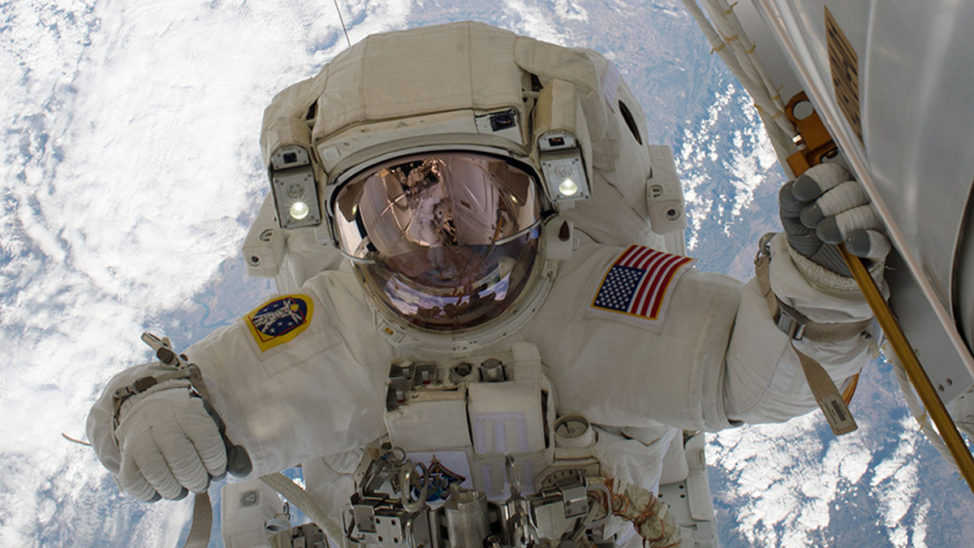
294	188
562	167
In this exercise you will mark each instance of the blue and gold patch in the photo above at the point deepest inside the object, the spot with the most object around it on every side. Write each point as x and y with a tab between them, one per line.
279	320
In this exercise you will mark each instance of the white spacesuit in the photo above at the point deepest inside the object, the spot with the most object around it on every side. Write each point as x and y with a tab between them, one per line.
514	277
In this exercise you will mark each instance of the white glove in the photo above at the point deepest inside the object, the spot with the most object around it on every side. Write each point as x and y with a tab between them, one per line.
169	443
826	206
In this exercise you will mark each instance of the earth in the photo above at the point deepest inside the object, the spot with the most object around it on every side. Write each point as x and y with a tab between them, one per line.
132	172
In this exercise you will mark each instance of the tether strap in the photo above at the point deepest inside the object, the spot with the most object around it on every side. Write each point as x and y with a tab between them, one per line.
199	532
827	396
297	496
797	326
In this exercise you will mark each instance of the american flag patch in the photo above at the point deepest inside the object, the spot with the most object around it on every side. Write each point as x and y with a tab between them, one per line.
638	281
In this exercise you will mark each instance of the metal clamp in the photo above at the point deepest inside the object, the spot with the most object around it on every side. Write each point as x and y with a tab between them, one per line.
789	320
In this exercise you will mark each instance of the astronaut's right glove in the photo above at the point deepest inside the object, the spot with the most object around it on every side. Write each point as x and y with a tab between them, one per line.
826	206
169	443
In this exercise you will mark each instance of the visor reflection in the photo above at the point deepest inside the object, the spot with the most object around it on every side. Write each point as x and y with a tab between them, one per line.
450	289
448	241
441	200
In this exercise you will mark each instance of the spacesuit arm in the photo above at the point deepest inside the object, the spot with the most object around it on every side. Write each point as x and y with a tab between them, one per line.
292	390
758	389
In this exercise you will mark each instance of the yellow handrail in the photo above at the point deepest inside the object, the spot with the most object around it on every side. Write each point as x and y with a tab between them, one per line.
918	377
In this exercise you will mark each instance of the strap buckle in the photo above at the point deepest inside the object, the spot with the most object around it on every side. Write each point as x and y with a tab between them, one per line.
790	321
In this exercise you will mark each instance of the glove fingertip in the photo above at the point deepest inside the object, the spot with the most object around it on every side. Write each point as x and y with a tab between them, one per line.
868	244
131	481
794	227
238	461
858	243
787	203
146	495
206	487
806	188
812	215
785	191
828	231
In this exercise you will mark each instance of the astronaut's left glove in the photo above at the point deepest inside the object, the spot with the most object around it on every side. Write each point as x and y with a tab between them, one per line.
826	206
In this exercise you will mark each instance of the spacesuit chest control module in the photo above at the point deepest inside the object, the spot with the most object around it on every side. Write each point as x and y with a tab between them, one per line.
487	333
473	452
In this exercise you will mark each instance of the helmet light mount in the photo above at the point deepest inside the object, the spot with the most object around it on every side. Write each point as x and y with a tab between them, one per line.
563	168
294	187
298	204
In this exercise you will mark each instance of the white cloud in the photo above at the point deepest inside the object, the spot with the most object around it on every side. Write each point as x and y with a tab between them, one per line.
570	10
696	153
734	163
895	484
785	486
526	18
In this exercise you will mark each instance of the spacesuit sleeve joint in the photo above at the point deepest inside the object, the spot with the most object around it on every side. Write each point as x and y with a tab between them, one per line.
788	319
145	385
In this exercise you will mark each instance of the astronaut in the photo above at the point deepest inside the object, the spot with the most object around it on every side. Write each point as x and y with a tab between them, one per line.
485	299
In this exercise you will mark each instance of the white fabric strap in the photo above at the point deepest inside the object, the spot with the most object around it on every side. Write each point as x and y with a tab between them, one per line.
202	524
784	315
297	496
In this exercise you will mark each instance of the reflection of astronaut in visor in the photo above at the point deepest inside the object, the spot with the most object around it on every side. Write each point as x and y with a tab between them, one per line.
446	252
430	221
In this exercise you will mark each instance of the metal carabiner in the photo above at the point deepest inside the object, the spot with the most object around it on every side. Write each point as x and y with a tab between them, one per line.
405	485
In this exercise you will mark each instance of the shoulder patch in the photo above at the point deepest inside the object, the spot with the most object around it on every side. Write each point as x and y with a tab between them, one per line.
638	283
279	320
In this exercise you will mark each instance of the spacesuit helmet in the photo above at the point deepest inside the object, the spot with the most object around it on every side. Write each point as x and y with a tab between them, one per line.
451	164
446	240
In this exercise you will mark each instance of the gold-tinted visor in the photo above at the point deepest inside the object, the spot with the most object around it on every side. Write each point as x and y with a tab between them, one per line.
446	241
443	199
